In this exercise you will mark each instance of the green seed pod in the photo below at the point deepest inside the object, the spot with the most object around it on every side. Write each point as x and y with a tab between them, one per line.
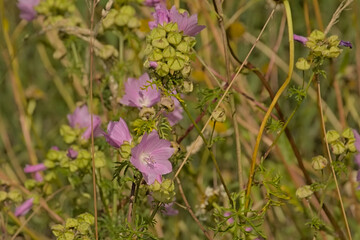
163	192
157	33
127	10
348	133
109	20
30	184
57	229
71	223
133	23
174	38
87	218
99	159
304	192
15	195
350	145
302	64
49	176
169	52
125	150
162	70
337	147
333	41
161	43
49	164
333	52
83	228
73	167
319	162
121	20
317	35
106	52
332	136
171	27
156	55
176	63
53	155
183	47
187	85
3	196
68	134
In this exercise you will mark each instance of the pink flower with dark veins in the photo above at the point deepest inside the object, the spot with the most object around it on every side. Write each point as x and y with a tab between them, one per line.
24	207
151	157
27	9
117	133
137	96
81	118
186	24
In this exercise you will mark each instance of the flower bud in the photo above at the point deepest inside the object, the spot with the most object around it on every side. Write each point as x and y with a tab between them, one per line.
219	115
187	85
319	162
332	136
304	192
147	113
337	147
167	103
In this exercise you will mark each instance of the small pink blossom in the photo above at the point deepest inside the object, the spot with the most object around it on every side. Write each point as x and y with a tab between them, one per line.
137	96
186	24
27	9
24	207
230	220
38	177
71	153
81	118
153	64
151	157
34	168
117	133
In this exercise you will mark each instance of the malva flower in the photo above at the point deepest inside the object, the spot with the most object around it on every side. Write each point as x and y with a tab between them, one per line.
303	40
27	9
151	157
81	118
175	116
117	133
188	25
137	96
24	207
71	153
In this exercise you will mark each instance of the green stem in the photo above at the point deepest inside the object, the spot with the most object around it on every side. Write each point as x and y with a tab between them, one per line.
208	147
273	103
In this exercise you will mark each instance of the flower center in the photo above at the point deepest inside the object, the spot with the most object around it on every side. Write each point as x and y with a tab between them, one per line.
143	100
148	160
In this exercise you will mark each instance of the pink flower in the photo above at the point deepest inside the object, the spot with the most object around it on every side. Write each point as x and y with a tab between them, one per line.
230	220
175	116
71	153
81	118
27	9
34	168
151	157
117	133
137	96
169	210
189	25
24	208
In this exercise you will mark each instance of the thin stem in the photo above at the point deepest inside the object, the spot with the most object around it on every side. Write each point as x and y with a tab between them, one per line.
209	148
272	105
92	115
188	208
225	92
330	159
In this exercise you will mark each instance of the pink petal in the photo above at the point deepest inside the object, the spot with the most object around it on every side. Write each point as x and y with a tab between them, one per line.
34	168
24	208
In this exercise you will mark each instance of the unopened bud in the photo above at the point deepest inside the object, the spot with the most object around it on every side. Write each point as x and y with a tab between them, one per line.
304	192
167	103
147	113
219	115
319	162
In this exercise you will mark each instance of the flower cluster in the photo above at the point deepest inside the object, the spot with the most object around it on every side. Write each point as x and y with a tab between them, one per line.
170	42
123	17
